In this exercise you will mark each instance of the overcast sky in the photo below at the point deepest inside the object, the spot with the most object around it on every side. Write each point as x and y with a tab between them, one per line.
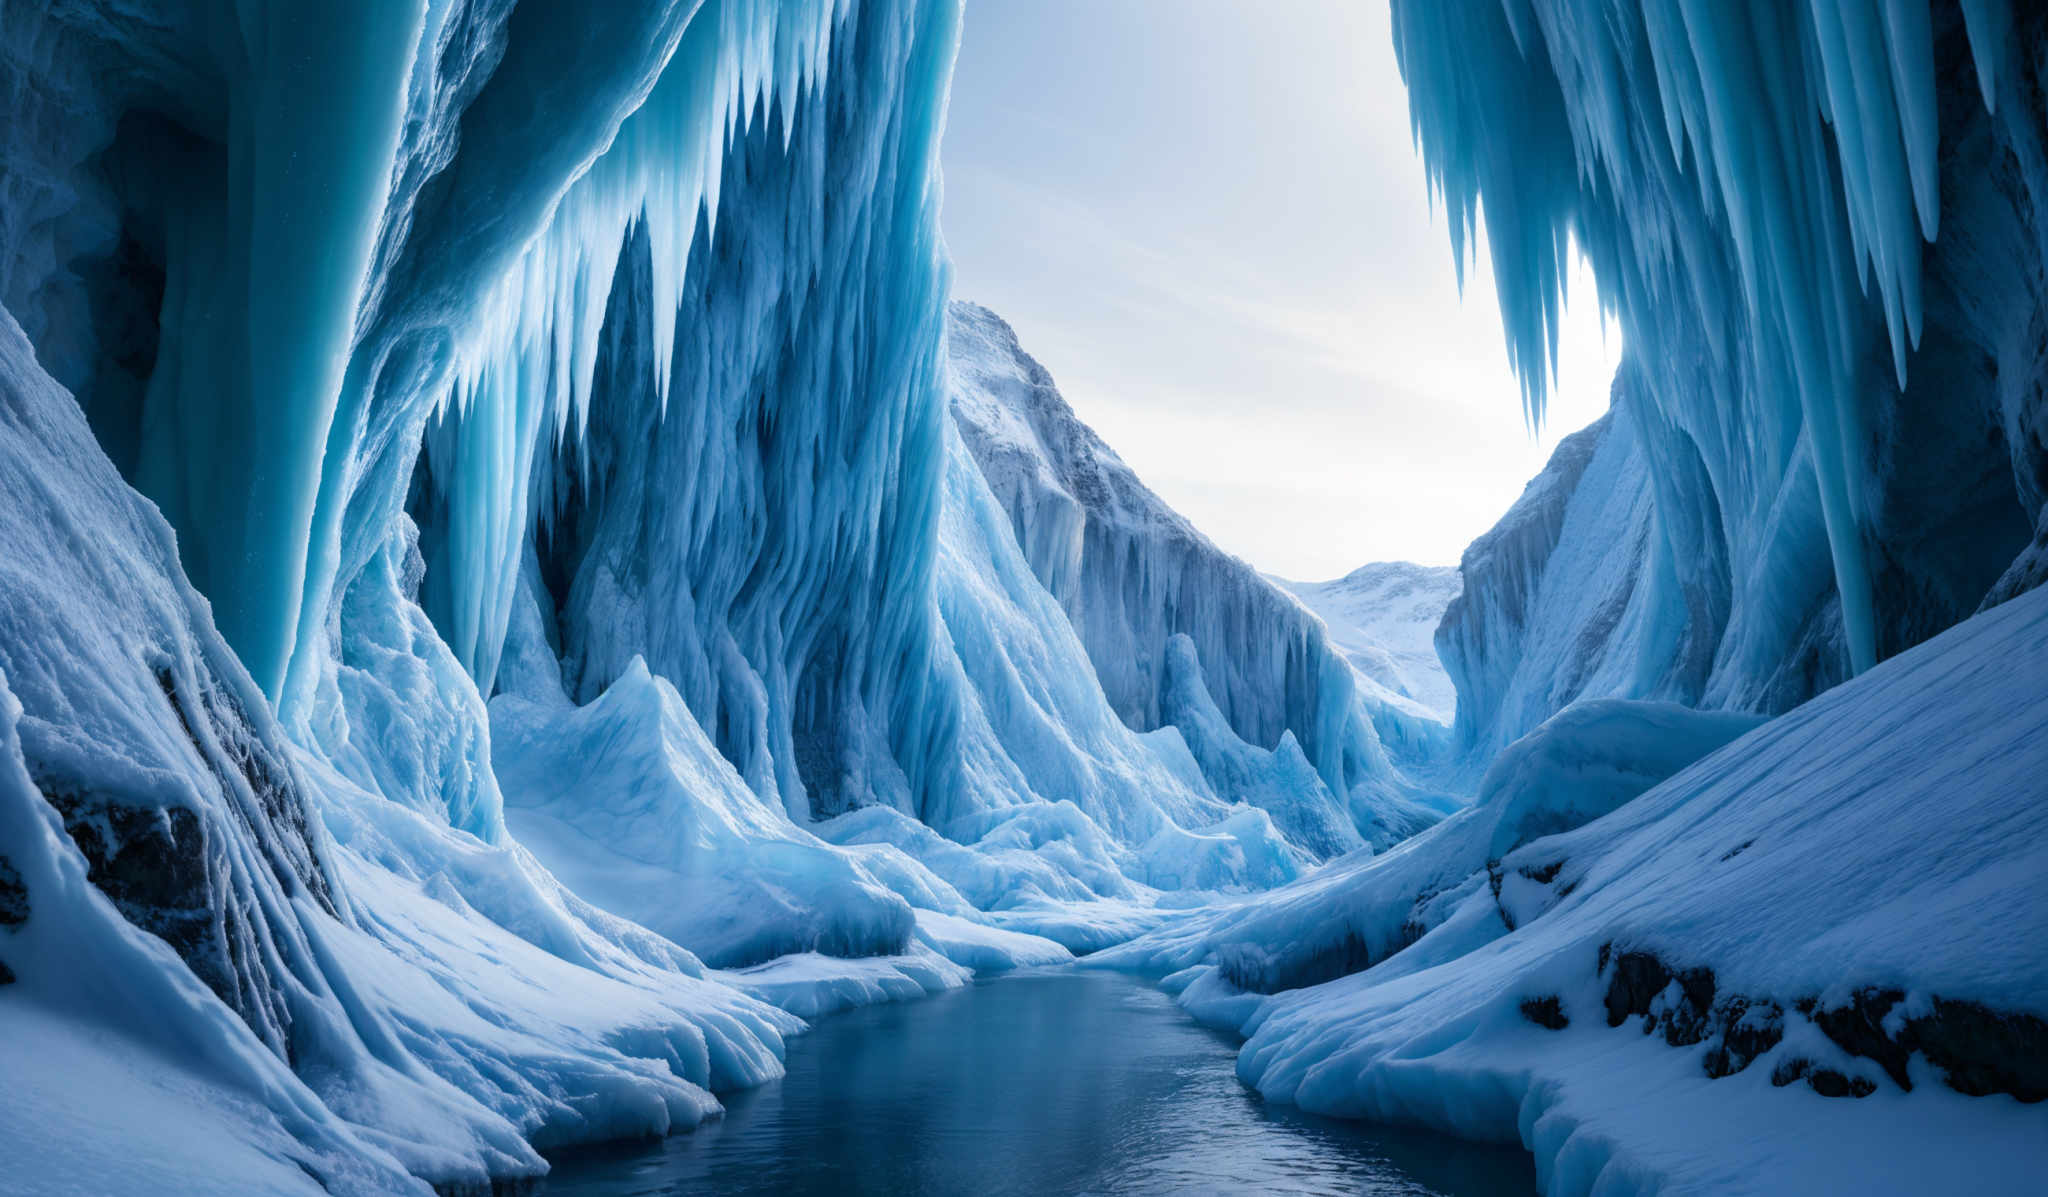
1207	219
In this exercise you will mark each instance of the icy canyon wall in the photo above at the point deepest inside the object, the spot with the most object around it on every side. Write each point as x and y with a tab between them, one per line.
1135	578
330	285
1822	229
560	445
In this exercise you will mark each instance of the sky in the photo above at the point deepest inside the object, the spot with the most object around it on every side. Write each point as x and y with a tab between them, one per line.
1207	219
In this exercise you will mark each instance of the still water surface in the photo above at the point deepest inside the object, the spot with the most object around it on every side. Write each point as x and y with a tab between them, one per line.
1059	1082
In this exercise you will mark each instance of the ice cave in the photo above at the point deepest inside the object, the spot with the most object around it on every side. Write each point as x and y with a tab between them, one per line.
551	644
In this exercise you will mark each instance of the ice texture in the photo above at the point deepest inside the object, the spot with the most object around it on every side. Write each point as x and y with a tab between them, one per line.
1822	233
1135	578
356	991
1383	618
610	555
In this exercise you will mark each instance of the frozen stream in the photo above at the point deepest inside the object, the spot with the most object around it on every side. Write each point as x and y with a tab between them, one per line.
1061	1082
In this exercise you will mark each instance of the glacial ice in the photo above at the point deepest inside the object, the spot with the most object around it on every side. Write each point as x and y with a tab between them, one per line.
1136	580
1761	188
617	557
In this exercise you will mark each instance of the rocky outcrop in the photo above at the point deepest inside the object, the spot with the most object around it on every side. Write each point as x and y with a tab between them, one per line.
1979	1050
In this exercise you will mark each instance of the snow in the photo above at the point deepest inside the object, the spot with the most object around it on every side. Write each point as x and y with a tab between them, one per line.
618	557
1383	618
1886	835
810	986
626	801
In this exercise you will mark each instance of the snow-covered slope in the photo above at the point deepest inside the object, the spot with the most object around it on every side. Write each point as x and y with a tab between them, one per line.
1383	617
357	992
1811	962
1133	575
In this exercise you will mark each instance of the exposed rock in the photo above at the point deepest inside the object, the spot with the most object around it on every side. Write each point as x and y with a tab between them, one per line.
1980	1051
1858	1028
1545	1011
13	895
1983	1051
168	872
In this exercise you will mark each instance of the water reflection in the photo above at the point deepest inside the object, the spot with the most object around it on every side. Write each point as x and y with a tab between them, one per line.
1066	1082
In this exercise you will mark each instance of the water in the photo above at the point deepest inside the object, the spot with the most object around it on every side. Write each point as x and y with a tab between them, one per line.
1063	1082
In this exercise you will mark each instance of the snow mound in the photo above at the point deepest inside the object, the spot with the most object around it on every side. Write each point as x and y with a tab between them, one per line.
1362	910
628	803
1690	993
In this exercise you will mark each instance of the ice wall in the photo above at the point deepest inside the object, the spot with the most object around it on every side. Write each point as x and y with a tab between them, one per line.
1822	229
1569	596
637	404
191	904
735	472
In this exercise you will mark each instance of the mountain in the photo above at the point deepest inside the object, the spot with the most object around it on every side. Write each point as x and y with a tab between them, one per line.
1383	617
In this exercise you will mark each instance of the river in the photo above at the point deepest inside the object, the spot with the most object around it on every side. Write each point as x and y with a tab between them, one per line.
1054	1082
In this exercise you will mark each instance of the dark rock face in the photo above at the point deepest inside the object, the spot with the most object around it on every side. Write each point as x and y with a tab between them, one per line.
1642	984
1545	1012
171	868
1858	1028
13	895
1983	1051
1747	1030
281	819
1980	1051
168	871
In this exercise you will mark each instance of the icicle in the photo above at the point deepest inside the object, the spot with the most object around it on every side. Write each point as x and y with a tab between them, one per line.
1789	216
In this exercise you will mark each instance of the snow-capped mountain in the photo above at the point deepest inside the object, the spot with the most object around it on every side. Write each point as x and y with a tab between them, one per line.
1383	617
1135	579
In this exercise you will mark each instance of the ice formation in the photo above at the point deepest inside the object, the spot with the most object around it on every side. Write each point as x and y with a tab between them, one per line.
638	613
1691	993
1682	941
1820	226
552	407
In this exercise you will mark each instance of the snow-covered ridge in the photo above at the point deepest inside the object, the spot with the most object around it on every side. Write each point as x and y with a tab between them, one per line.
1383	617
1132	575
